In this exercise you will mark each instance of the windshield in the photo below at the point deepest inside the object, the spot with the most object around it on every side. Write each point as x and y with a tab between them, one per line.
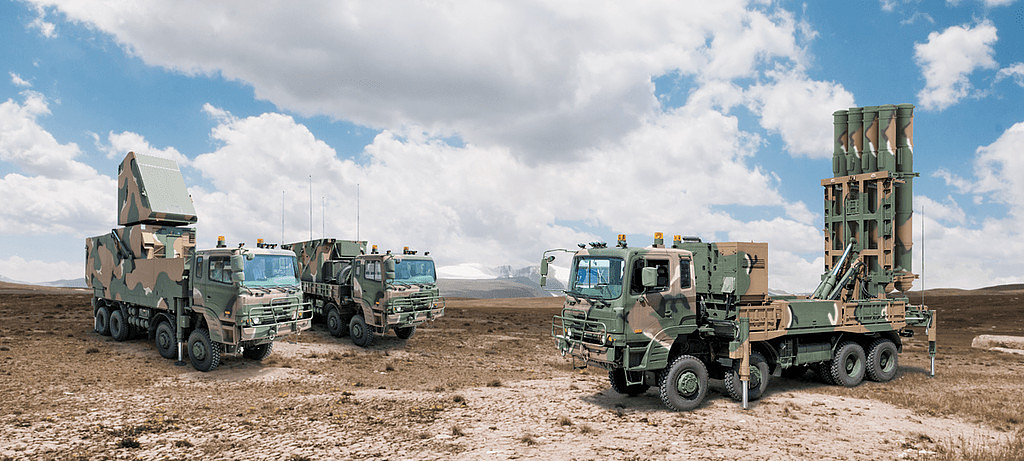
270	270
414	271
599	277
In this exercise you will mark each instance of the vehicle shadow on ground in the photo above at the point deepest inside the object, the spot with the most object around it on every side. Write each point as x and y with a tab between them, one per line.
651	400
380	342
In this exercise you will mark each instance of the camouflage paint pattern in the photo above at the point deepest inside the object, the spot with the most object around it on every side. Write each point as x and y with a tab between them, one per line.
236	313
726	311
141	264
333	271
165	201
314	254
150	271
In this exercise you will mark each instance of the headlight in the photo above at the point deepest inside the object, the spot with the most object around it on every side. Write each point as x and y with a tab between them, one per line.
255	320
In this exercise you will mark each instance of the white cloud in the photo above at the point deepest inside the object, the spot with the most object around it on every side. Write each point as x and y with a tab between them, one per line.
46	29
808	131
119	144
52	192
1014	71
994	241
995	3
545	80
32	149
483	205
19	82
947	60
554	101
947	211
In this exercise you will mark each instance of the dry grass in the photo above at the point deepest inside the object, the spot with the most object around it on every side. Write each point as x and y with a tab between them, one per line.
528	439
975	450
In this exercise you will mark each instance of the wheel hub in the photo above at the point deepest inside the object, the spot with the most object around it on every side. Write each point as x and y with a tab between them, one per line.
687	383
198	351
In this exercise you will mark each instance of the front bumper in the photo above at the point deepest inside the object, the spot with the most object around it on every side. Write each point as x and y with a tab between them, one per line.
276	321
412	318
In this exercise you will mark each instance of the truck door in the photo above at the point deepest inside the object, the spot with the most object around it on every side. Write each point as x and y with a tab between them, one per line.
216	291
373	290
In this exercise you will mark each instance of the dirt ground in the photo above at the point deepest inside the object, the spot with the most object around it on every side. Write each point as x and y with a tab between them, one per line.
483	382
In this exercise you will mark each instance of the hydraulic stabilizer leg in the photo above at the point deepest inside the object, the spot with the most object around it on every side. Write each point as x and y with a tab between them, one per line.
745	359
179	331
931	342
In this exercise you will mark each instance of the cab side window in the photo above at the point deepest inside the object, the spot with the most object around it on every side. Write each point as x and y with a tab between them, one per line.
199	268
373	271
220	269
636	285
684	273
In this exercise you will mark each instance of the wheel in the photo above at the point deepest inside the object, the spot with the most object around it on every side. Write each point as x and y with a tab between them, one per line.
618	379
848	364
361	334
335	325
102	324
258	352
119	328
166	341
882	360
759	375
684	384
405	332
203	353
824	370
794	372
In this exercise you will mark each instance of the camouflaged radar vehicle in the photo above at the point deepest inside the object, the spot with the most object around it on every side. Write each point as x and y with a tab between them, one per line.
363	295
148	279
675	316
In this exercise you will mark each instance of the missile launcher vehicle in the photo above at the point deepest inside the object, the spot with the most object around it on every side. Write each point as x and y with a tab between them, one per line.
149	280
674	316
364	295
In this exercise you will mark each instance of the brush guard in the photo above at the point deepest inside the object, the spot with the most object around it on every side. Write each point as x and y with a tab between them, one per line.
578	336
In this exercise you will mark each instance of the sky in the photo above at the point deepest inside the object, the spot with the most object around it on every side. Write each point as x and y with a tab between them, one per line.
488	131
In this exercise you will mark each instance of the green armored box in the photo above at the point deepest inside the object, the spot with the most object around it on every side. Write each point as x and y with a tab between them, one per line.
151	190
142	264
318	258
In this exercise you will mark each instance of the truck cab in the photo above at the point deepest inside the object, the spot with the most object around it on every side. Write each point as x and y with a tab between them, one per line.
247	297
362	294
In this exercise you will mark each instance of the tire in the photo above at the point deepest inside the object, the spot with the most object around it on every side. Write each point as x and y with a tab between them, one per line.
882	360
684	384
119	328
336	326
759	377
258	352
166	340
102	322
824	370
617	378
848	364
361	334
203	353
405	332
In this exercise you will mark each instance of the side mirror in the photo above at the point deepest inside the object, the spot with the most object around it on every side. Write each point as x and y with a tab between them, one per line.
389	269
649	277
544	269
237	268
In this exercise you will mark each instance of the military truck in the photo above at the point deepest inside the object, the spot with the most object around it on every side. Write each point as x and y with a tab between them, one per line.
675	316
148	279
363	295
